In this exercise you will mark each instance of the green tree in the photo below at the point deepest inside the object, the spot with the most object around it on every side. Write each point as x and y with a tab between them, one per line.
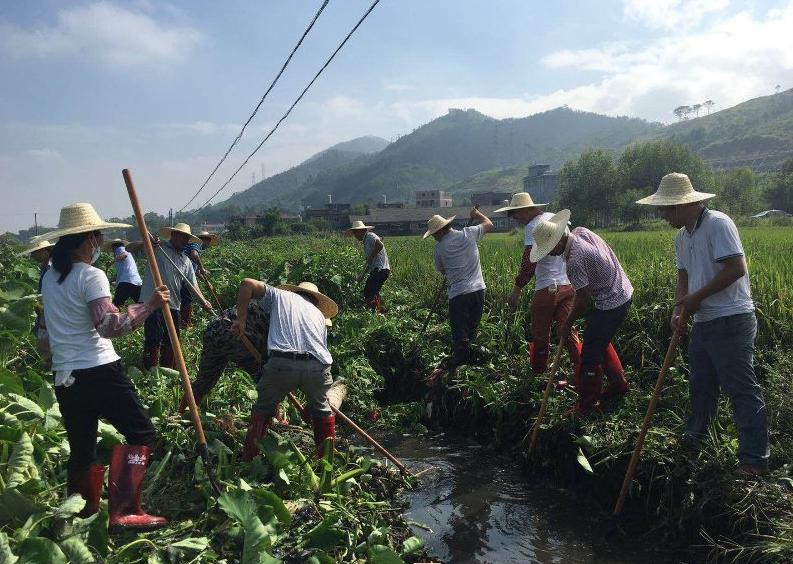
644	164
779	194
588	186
738	192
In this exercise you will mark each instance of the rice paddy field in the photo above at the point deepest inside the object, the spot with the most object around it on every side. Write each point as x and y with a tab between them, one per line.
272	510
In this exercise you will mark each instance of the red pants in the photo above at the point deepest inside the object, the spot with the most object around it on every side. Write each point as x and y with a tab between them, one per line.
545	309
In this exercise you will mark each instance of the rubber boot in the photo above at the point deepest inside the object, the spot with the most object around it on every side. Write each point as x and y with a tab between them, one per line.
462	353
538	356
151	356
589	383
183	403
257	427
127	468
324	428
88	484
166	358
377	305
382	308
612	367
372	304
186	315
574	350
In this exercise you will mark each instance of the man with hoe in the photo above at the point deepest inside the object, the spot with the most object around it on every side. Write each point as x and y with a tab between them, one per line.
193	251
297	341
553	294
157	348
377	264
713	286
596	275
456	256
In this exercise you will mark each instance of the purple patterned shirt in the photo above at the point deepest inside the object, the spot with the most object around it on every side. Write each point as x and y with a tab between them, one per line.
591	262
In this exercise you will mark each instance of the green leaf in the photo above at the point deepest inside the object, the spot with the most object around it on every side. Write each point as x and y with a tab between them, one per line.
38	550
21	457
6	556
16	316
190	547
10	383
73	505
585	441
15	508
76	551
412	545
266	497
98	534
582	460
322	558
241	507
46	397
380	554
325	536
24	408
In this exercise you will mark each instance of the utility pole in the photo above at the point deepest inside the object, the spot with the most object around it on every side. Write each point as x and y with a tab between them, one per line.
253	178
170	217
36	222
262	171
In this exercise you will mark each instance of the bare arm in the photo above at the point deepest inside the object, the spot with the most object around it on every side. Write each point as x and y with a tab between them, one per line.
681	289
250	289
484	222
378	246
580	303
734	269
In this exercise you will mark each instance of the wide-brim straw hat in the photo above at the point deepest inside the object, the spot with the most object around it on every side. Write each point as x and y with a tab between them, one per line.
358	225
327	306
519	201
436	223
108	247
213	239
675	188
179	228
78	218
37	246
547	234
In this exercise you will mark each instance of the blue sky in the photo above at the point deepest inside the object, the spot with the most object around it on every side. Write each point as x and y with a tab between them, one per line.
91	87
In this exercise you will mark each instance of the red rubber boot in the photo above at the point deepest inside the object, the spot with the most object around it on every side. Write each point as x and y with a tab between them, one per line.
89	485
127	468
612	366
589	381
538	356
324	428
257	427
574	350
151	356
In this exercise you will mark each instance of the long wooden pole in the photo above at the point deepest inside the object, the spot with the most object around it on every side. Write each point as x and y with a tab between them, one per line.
172	334
548	387
205	278
402	468
670	356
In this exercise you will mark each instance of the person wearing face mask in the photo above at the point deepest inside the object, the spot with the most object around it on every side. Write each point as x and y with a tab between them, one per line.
176	270
90	381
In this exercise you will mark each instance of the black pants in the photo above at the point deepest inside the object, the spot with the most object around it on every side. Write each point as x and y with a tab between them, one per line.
465	313
186	295
600	329
155	332
124	291
374	283
101	392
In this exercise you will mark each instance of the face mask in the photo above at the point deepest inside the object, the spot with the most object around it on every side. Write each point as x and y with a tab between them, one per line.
94	253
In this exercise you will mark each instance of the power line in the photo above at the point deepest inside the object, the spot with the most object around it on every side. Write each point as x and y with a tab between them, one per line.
256	109
292	107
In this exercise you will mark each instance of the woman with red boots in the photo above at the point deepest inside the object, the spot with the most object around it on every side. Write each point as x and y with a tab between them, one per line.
90	382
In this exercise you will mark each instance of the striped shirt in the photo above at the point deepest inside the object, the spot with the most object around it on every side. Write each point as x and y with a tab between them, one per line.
591	263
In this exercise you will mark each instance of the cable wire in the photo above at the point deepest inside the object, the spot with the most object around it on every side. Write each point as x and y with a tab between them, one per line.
256	109
289	111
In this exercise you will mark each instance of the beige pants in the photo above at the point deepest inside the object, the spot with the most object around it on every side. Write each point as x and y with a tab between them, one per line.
283	375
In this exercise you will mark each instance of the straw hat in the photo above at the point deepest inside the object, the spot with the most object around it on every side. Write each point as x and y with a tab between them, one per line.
179	228
37	246
328	322
327	306
547	234
436	223
213	239
78	218
358	225
108	247
519	201
675	188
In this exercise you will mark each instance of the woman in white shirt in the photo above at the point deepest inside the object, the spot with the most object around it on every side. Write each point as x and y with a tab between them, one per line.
90	382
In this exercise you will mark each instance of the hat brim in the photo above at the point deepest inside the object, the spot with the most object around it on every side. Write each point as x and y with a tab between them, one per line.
166	232
108	247
539	252
36	247
327	306
510	208
661	200
351	230
213	239
53	236
444	224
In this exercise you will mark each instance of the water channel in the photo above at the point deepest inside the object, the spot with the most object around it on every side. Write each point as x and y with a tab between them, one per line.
474	506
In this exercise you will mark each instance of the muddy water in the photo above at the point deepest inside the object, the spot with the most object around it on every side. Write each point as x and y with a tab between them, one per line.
475	507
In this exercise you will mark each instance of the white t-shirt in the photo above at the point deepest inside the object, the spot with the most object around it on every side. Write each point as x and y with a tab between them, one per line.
74	341
458	256
714	239
549	267
126	270
381	259
296	325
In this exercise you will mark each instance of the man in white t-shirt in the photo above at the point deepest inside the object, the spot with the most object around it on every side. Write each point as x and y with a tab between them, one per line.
377	264
456	256
713	285
553	294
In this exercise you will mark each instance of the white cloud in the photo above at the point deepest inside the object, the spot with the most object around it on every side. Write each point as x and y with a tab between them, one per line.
103	32
671	14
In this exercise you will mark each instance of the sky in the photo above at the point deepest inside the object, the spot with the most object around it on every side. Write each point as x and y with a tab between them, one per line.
92	87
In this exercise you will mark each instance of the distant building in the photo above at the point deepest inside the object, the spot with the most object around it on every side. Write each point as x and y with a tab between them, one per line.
490	198
432	199
541	183
390	205
337	215
413	221
246	220
212	227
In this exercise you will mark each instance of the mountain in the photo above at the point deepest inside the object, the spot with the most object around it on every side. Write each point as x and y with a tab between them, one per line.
757	133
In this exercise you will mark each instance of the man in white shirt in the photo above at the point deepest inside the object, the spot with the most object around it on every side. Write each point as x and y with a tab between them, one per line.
713	285
553	293
376	265
456	256
297	341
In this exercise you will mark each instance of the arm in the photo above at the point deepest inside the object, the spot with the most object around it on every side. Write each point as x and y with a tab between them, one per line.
580	303
378	246
484	222
121	257
196	258
249	289
525	274
681	289
111	324
734	269
134	247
